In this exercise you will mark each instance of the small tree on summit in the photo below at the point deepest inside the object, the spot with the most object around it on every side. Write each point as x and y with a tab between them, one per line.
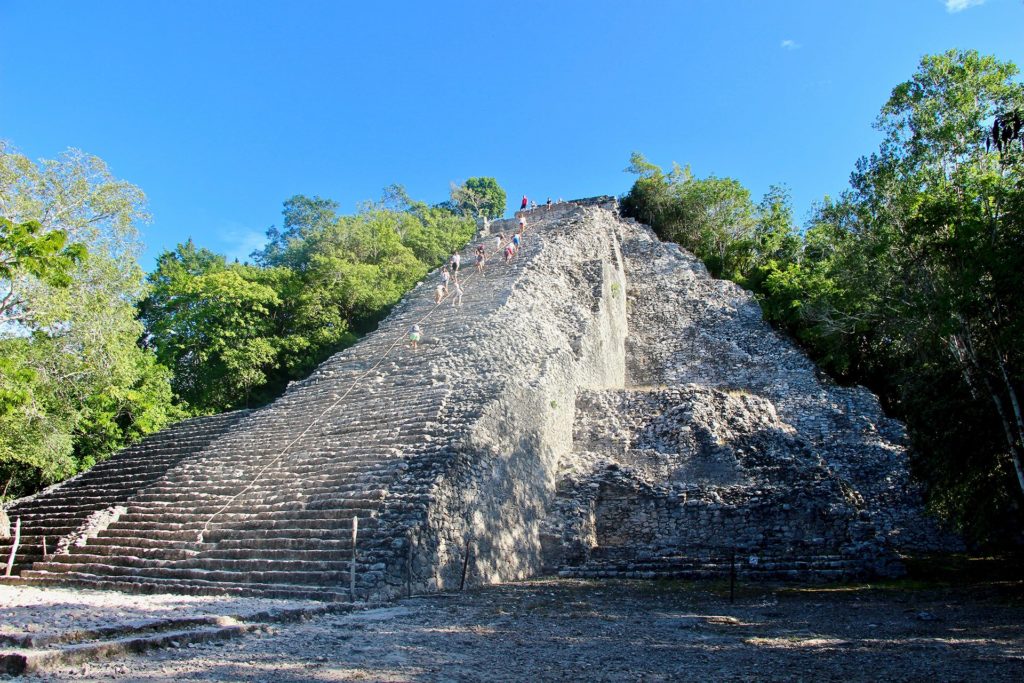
479	198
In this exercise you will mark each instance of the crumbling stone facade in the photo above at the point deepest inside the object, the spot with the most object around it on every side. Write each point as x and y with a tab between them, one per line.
598	407
727	441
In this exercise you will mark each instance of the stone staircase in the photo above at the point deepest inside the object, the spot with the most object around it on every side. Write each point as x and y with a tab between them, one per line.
65	509
269	502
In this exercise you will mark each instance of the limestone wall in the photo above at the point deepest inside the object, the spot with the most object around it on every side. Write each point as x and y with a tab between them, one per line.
563	329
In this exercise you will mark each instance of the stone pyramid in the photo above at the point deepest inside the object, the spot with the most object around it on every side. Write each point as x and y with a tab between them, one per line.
599	406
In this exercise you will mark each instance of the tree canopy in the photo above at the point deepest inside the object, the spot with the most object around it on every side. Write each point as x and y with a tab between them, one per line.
74	385
479	197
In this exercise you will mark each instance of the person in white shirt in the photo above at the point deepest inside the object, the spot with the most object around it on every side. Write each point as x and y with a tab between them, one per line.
457	296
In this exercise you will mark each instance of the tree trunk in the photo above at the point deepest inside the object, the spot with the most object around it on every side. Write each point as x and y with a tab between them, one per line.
969	360
1019	422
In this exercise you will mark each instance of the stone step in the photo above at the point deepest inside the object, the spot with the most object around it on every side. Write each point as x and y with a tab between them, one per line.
267	487
294	475
154	536
354	455
51	532
344	502
335	551
300	563
257	499
187	537
343	510
237	548
267	491
32	521
159	551
315	577
146	585
367	526
148	528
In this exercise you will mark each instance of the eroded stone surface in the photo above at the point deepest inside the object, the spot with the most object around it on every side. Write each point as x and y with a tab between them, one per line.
727	442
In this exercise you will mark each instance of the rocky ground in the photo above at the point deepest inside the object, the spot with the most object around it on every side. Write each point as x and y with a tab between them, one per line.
636	631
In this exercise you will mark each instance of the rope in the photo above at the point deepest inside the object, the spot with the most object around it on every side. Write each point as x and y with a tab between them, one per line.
355	383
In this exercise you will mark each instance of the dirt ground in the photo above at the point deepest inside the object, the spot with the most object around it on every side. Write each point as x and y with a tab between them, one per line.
632	631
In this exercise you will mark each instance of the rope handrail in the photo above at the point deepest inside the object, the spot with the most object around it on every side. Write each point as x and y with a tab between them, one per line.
332	406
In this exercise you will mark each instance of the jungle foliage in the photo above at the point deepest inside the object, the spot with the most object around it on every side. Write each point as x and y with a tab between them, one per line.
74	384
909	282
235	334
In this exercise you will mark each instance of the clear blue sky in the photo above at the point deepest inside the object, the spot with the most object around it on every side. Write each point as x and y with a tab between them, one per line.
220	109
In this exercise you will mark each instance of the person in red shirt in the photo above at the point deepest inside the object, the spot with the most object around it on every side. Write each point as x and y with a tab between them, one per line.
522	207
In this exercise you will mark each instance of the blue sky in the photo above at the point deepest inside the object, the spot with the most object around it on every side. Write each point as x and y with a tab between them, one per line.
220	110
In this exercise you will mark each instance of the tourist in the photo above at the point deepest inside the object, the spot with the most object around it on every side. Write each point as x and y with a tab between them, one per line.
439	294
515	242
457	296
509	251
498	240
480	256
455	261
549	202
414	335
445	278
522	223
533	206
522	207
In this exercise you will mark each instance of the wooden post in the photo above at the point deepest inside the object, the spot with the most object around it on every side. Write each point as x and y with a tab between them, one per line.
732	577
352	570
465	567
44	548
14	546
408	567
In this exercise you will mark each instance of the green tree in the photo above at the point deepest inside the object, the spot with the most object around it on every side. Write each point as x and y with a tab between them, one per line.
213	324
303	216
712	217
942	212
26	251
479	197
74	383
910	283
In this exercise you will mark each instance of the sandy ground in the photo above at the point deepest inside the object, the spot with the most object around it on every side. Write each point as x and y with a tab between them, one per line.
633	631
